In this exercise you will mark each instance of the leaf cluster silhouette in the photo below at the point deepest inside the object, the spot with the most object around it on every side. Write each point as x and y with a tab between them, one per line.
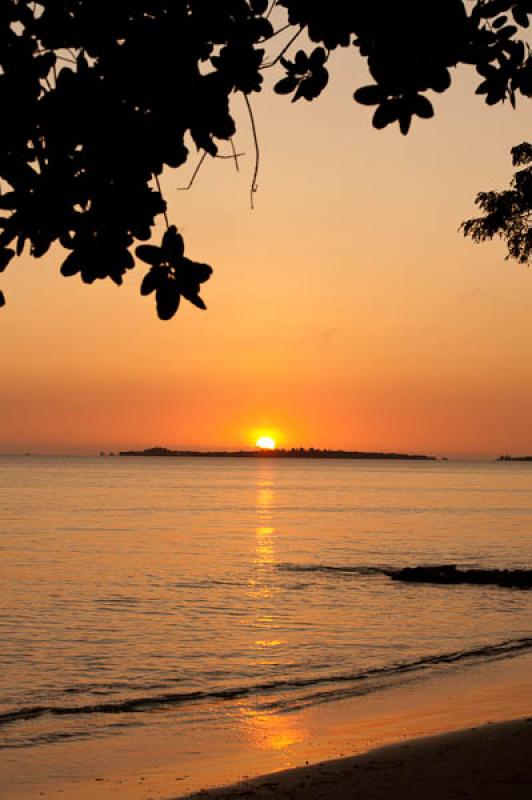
98	98
508	214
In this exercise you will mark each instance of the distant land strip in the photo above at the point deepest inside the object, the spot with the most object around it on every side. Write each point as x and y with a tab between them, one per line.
295	452
514	458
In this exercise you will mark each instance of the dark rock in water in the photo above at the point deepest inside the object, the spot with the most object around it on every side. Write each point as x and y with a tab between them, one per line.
450	574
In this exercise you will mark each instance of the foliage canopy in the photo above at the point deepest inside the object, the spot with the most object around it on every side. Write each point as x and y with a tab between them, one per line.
508	214
100	97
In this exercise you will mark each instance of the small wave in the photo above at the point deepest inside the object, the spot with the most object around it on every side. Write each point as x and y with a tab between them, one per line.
331	568
46	738
499	650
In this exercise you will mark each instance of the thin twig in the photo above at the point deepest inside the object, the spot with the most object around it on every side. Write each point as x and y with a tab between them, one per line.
194	174
160	192
60	58
64	58
274	3
229	157
235	156
276	33
283	51
257	150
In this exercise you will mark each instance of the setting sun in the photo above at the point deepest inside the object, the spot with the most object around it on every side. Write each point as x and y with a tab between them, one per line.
266	443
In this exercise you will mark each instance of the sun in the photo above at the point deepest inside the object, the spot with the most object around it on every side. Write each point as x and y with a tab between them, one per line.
265	443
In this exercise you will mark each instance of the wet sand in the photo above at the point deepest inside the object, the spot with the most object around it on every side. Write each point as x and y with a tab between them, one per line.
303	752
493	762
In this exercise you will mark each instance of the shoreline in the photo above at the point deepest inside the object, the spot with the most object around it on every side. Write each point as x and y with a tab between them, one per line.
208	762
492	762
425	717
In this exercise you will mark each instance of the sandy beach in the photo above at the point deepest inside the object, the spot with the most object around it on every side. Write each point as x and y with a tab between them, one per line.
467	733
490	762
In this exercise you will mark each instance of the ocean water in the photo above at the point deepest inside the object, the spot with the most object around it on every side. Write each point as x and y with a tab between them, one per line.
156	592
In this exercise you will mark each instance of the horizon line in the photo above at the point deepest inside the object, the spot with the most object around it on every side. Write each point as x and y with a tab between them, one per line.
86	452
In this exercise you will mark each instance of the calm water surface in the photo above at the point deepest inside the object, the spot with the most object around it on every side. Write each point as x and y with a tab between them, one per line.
139	591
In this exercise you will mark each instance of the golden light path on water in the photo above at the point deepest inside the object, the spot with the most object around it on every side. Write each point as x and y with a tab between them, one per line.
267	730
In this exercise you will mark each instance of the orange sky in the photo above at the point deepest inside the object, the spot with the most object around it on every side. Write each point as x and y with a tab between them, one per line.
345	311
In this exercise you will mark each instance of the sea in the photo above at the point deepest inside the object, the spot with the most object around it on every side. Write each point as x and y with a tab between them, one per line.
188	595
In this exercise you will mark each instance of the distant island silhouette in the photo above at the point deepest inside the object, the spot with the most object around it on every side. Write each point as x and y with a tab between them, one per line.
294	452
514	458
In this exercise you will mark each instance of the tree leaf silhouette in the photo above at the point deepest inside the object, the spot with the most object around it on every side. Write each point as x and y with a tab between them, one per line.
99	99
172	274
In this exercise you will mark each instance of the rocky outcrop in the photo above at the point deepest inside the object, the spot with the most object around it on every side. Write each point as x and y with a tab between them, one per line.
451	574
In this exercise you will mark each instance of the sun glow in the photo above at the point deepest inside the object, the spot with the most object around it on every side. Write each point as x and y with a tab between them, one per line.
265	443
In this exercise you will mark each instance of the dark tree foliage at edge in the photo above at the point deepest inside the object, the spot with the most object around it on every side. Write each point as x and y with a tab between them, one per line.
98	98
508	214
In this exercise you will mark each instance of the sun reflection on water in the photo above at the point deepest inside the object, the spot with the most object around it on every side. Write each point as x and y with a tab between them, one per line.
267	730
260	580
265	496
271	731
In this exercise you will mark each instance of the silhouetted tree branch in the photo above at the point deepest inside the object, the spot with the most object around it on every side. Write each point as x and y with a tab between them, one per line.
99	97
508	214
